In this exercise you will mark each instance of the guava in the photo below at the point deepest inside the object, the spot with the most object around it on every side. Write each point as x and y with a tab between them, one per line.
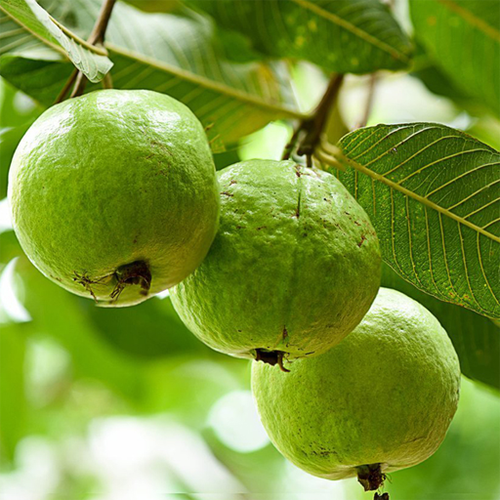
294	267
114	194
380	401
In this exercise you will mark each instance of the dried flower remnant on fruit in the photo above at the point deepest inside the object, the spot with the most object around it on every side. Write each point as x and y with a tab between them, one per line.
271	358
371	476
136	273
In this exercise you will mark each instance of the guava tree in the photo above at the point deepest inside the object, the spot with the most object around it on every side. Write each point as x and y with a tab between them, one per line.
431	191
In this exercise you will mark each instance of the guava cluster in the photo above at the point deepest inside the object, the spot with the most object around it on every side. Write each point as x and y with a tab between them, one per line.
115	197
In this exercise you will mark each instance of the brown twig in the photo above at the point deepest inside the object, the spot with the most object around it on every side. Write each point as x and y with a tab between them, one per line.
96	37
80	84
107	81
308	133
101	25
369	101
67	86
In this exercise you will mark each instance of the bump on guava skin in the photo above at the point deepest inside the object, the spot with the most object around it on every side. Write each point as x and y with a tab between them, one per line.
113	178
384	396
285	272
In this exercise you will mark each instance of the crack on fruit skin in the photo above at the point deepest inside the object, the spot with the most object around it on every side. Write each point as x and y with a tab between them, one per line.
370	476
136	273
285	333
271	358
363	238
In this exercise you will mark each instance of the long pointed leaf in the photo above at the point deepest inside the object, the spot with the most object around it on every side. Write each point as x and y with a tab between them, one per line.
463	37
433	194
345	36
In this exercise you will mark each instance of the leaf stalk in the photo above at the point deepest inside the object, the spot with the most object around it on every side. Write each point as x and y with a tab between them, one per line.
96	38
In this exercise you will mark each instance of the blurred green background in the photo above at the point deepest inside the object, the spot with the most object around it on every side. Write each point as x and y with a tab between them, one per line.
126	404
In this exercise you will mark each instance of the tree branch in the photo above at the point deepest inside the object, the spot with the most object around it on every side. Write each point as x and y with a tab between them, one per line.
101	25
96	37
312	127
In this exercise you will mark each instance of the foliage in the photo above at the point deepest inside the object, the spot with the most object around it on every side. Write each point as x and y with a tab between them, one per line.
432	191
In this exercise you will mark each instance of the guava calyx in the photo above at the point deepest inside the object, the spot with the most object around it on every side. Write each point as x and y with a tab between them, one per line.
271	358
370	476
135	273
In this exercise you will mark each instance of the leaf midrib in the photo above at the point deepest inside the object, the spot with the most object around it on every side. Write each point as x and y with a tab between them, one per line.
424	201
472	19
205	82
92	48
53	46
307	4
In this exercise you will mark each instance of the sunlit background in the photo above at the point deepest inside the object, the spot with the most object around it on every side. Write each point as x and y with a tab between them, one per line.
127	404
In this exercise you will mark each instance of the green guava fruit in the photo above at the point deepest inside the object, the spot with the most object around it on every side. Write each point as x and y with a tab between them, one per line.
114	194
293	269
380	401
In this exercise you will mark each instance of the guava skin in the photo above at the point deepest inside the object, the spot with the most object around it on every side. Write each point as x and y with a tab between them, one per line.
293	269
114	194
385	395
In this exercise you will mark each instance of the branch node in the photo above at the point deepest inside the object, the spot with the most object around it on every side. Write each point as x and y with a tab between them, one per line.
309	131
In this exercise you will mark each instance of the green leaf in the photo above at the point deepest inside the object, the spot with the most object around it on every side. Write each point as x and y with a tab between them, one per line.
463	38
178	54
344	36
438	82
433	195
476	338
29	18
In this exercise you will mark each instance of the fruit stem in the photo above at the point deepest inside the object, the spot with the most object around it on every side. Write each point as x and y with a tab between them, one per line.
96	37
311	128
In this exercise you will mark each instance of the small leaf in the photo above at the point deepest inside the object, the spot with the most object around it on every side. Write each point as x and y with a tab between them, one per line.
433	195
463	38
31	18
344	36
